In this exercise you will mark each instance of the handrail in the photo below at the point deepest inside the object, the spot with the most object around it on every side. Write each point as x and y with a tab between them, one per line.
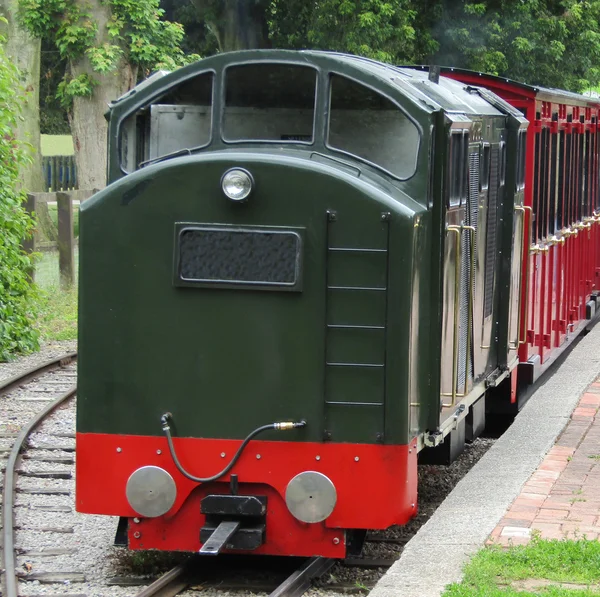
458	230
523	339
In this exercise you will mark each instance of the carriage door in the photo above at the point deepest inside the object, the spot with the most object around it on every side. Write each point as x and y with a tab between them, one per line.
458	279
520	236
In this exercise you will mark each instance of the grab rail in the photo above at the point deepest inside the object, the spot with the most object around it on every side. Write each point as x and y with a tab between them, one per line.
458	231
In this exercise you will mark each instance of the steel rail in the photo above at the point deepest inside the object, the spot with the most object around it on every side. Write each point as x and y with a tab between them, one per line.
10	573
179	578
299	581
169	584
21	378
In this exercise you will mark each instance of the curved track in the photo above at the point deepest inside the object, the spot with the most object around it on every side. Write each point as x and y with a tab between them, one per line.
10	474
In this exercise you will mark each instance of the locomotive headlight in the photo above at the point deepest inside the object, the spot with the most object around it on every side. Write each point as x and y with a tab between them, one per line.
237	184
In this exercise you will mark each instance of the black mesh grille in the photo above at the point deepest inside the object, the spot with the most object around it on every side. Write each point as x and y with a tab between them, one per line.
463	326
239	256
473	189
492	220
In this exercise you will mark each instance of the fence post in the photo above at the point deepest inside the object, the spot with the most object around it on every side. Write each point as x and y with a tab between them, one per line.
29	244
66	251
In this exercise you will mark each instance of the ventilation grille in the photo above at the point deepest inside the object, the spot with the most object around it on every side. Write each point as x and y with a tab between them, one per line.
463	324
492	222
239	256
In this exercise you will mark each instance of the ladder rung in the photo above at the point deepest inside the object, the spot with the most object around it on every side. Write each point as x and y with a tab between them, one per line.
371	365
353	250
373	288
355	327
354	403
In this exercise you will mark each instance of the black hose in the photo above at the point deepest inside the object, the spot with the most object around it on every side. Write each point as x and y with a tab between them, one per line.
167	429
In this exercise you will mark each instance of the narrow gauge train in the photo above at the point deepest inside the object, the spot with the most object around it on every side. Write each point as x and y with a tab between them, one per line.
561	258
305	274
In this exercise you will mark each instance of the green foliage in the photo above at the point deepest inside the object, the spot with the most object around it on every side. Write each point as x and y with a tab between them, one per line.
68	88
555	43
567	568
379	29
197	38
16	294
135	32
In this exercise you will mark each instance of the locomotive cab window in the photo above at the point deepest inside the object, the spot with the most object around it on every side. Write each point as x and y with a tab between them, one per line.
176	122
371	127
269	102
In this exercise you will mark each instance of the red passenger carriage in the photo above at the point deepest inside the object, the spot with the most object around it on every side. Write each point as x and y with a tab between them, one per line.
561	261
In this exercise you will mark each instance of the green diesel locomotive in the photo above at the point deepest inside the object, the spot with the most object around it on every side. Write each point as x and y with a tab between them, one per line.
313	252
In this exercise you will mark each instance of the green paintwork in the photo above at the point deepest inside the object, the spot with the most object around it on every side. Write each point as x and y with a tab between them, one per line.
224	361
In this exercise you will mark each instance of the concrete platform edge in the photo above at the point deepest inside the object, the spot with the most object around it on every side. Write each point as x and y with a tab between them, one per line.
435	556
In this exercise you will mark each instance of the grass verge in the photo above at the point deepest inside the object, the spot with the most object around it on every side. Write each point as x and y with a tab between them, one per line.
566	568
57	314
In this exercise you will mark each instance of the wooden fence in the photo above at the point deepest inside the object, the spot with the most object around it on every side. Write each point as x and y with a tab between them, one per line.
65	237
60	172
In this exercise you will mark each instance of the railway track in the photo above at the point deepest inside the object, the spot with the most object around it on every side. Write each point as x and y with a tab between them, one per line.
40	392
190	577
42	389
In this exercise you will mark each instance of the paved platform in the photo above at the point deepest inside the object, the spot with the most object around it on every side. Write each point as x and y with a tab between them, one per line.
562	497
535	476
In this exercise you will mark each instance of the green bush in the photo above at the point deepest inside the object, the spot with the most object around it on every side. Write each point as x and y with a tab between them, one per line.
17	297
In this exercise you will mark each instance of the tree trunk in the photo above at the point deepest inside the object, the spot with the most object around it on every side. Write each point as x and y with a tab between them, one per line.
88	125
236	24
24	52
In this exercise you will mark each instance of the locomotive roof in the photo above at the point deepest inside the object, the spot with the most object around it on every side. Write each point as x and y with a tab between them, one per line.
447	94
524	89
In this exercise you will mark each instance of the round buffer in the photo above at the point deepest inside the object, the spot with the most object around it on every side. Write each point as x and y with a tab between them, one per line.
311	496
151	491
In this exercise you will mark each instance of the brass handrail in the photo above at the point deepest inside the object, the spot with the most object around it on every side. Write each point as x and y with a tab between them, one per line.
458	230
523	340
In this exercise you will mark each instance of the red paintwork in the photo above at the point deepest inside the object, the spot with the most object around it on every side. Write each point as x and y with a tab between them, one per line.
560	280
375	492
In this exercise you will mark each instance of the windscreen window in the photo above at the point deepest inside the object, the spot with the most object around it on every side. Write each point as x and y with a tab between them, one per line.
269	102
372	127
177	122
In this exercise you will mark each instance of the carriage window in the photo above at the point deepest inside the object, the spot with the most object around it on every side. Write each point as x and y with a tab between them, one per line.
485	167
178	122
370	126
521	146
269	102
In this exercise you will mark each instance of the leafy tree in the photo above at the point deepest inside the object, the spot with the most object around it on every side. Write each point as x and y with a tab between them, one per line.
16	295
24	51
235	24
107	45
555	43
379	29
197	38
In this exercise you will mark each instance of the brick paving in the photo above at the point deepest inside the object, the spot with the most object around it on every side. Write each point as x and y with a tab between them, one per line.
561	499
